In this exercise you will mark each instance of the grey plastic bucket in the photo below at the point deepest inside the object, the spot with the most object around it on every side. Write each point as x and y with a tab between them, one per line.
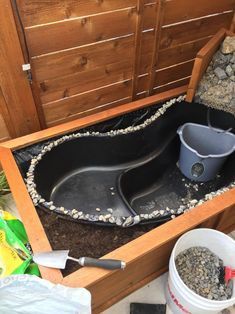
203	150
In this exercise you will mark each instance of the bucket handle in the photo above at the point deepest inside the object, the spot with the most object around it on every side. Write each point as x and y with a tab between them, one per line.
179	130
211	127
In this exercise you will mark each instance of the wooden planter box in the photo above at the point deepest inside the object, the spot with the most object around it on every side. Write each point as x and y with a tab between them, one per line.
147	256
203	59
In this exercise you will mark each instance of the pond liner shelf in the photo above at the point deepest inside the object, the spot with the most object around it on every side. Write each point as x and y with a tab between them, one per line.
147	256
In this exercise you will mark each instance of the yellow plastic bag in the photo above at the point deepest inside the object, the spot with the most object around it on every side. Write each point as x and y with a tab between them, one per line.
15	258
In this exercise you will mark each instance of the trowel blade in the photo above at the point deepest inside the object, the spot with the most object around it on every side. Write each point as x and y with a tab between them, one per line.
53	259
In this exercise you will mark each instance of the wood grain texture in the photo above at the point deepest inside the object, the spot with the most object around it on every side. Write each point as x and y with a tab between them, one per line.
143	83
4	134
70	106
146	52
171	85
149	16
92	119
83	58
80	31
180	53
157	40
192	30
138	45
92	111
7	127
77	47
80	82
232	27
36	12
173	73
182	10
13	81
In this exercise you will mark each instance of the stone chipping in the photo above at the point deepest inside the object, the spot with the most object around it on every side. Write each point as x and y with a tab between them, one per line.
110	217
200	270
217	87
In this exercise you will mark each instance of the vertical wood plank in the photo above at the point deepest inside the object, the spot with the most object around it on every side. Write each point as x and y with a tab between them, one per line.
13	80
24	48
138	37
202	61
6	116
232	27
159	21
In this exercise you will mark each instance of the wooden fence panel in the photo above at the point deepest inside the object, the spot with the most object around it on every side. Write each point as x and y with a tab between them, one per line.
89	55
82	59
182	10
54	37
70	107
178	34
35	12
17	103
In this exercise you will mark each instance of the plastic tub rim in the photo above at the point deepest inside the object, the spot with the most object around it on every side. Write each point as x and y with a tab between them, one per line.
180	132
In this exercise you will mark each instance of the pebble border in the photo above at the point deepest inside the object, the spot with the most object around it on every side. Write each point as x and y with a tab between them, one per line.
119	221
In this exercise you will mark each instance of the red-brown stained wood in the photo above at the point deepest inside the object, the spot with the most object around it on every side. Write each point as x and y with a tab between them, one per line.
14	85
173	73
175	84
138	44
149	16
80	31
180	53
7	129
4	134
156	45
92	119
143	82
147	42
181	33
94	110
71	106
27	211
56	32
203	59
83	58
146	256
36	12
182	10
77	83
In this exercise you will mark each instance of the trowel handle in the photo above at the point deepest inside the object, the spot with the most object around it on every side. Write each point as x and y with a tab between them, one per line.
102	263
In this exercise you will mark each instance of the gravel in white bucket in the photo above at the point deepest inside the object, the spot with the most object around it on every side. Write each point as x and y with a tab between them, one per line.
200	270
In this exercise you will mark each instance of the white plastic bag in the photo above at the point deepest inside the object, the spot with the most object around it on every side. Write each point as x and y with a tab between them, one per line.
27	294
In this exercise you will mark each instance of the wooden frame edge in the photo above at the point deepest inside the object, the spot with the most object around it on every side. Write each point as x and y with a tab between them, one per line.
202	60
27	211
159	241
94	118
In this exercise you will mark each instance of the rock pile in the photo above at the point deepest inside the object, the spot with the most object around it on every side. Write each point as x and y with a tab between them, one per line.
217	87
200	269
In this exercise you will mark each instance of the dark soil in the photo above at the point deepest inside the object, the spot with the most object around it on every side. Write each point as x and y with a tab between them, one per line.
86	240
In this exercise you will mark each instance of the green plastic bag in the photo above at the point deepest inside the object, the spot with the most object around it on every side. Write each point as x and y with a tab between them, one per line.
15	258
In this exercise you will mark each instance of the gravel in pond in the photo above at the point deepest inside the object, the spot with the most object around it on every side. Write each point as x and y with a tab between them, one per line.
199	269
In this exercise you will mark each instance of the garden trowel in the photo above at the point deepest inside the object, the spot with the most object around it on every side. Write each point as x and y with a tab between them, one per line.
58	259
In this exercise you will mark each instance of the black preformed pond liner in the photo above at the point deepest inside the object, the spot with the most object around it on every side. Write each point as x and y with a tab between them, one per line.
126	175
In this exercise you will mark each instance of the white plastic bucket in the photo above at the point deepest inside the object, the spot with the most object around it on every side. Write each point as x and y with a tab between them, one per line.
179	297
